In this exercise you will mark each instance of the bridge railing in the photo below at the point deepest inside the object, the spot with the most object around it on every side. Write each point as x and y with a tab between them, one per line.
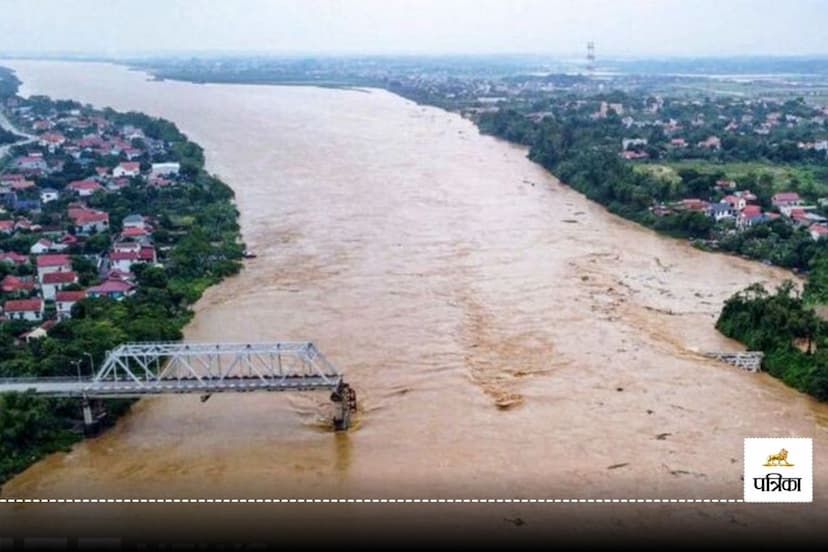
53	379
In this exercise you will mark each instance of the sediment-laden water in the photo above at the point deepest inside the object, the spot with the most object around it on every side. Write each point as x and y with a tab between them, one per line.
506	336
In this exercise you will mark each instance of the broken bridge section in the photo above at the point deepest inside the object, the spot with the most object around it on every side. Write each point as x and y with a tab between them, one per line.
747	360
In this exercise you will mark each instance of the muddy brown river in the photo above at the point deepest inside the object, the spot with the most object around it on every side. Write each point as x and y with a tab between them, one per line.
506	337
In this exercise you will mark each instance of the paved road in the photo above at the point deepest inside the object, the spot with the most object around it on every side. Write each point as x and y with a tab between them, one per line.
6	124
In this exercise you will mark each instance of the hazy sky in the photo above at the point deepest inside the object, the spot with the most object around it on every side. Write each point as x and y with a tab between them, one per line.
619	27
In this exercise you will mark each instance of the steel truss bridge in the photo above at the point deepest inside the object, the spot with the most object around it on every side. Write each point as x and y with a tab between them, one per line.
154	368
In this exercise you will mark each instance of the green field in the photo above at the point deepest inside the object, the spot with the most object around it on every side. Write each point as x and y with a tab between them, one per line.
783	175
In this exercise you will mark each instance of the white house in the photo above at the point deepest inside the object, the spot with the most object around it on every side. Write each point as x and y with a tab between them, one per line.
737	202
133	221
84	188
627	143
51	140
720	211
48	194
43	245
786	199
88	221
52	263
24	309
818	231
37	333
53	282
127	168
165	169
65	300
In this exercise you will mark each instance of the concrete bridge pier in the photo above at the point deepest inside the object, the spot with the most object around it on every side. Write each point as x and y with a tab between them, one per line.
344	399
93	413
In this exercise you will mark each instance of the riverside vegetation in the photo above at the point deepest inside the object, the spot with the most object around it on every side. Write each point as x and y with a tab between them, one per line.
197	234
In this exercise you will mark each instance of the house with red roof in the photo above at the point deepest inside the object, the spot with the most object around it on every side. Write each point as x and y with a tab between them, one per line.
25	224
751	211
127	168
45	245
159	182
124	257
84	188
135	227
115	289
8	179
91	141
818	231
712	142
21	185
116	274
725	184
786	199
693	204
38	333
117	184
13	257
24	309
750	215
16	284
6	226
31	164
87	221
134	233
65	300
52	262
53	282
42	124
51	140
736	202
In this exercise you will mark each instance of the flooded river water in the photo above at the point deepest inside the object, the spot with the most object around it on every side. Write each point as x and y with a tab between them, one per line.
506	336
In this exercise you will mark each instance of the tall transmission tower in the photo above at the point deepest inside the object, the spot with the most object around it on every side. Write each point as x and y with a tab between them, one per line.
591	57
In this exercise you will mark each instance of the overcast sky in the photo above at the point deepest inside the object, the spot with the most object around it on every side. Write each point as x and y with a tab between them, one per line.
618	27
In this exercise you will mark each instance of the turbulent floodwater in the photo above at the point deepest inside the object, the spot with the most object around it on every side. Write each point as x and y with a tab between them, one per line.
506	336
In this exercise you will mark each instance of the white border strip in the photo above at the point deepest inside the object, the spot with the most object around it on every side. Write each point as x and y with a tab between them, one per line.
368	500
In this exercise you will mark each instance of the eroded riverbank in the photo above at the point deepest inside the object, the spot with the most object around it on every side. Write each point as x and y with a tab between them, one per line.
445	273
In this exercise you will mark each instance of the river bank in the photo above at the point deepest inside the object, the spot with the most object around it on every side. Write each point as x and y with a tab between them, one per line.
187	233
439	288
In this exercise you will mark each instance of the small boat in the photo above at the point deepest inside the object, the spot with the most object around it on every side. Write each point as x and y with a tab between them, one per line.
247	254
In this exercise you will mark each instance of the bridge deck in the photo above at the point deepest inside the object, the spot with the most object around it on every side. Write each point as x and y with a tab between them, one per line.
63	387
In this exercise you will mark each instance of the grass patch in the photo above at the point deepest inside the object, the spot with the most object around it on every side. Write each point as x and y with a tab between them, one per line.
783	175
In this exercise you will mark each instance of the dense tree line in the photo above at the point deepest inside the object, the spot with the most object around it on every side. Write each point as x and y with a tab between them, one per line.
783	325
7	137
583	153
9	83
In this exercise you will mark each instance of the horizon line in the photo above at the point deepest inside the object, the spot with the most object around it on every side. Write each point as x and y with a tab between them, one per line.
59	54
